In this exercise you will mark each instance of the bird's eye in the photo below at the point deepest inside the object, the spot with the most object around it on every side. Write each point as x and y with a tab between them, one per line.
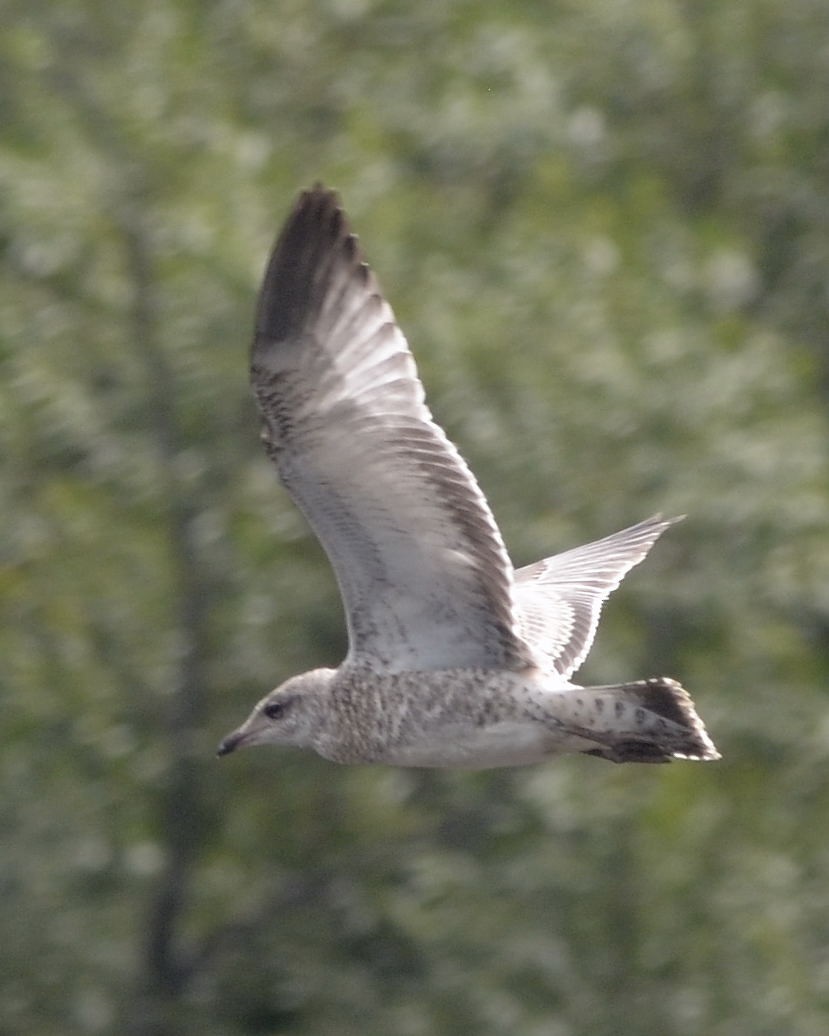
274	709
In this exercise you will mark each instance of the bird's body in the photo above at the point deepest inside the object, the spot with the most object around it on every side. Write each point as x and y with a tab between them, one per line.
455	659
480	718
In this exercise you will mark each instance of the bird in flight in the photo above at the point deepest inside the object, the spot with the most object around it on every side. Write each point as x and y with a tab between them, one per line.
455	658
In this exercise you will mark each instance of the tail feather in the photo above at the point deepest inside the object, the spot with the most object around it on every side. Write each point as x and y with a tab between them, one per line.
648	721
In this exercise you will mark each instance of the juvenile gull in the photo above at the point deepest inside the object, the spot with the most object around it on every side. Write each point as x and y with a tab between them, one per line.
455	659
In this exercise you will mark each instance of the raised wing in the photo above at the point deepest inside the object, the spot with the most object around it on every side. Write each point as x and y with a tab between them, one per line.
559	599
423	572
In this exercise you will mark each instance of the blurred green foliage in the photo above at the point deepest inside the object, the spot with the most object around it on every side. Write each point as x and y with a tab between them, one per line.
605	228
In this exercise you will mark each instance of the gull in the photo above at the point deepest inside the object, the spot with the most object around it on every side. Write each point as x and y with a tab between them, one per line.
455	658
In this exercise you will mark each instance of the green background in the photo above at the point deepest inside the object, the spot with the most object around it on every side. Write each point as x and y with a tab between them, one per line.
604	227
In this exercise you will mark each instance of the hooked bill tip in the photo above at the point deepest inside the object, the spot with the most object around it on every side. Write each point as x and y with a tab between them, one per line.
226	746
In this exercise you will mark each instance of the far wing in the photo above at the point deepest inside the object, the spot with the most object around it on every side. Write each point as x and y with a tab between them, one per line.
559	599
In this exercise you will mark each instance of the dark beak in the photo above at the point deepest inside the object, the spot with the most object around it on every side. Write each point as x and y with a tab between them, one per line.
228	744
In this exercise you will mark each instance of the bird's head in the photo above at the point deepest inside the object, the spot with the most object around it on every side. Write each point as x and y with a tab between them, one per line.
292	714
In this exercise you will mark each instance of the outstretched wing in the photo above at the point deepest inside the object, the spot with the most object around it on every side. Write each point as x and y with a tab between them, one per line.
422	569
559	599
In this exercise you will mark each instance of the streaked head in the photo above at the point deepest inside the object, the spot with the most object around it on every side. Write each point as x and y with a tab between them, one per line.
292	714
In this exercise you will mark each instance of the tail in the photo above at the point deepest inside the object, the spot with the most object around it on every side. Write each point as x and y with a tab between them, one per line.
649	721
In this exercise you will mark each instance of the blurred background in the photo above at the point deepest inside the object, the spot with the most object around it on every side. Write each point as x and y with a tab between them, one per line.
604	227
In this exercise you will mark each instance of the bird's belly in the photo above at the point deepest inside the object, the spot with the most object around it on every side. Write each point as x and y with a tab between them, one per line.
511	743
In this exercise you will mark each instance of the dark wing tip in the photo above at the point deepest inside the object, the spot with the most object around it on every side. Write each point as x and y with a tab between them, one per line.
315	232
